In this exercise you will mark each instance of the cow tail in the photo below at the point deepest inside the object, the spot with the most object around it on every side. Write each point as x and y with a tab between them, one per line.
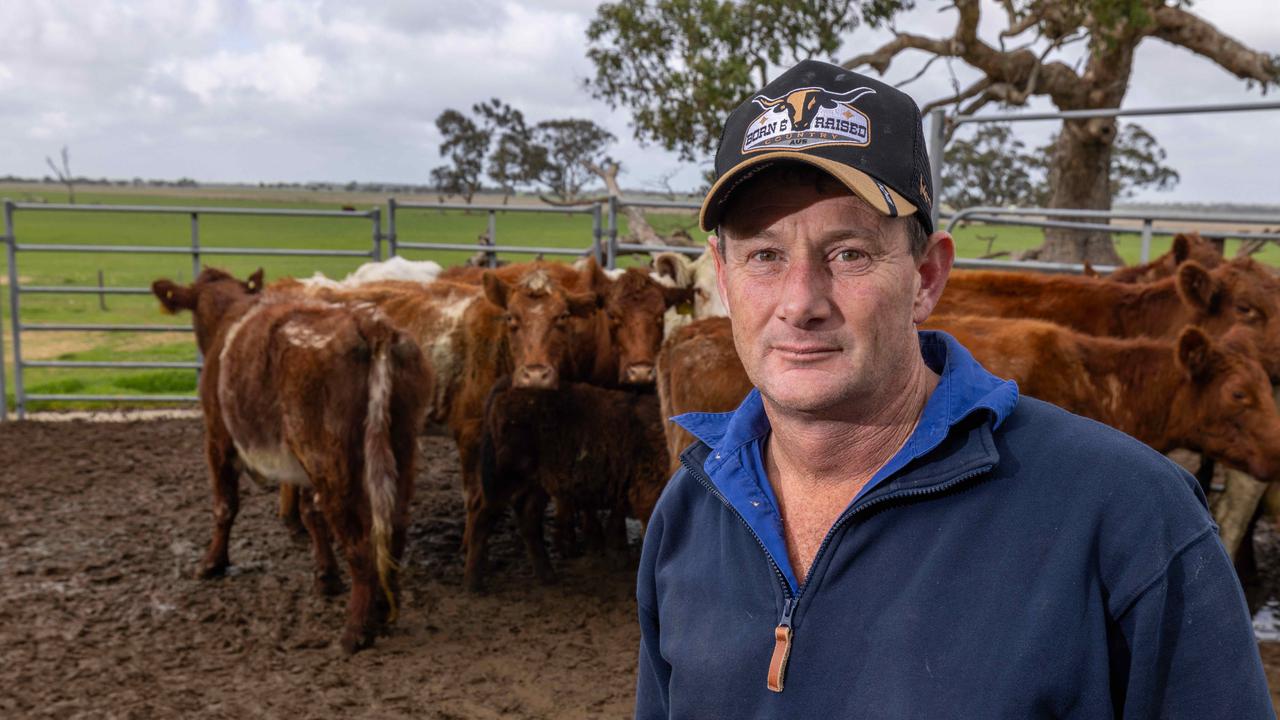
380	473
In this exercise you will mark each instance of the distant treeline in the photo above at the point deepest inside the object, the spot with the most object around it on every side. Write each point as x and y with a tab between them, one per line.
353	186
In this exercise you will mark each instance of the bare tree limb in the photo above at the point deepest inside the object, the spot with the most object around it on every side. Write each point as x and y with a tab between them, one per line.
1179	27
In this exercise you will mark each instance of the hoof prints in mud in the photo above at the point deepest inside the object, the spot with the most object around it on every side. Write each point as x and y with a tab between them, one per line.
101	528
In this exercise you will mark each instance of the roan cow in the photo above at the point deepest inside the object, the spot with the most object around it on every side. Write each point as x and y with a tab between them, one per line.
323	396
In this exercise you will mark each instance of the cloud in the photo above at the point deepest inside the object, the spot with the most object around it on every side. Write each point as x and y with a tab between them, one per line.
228	90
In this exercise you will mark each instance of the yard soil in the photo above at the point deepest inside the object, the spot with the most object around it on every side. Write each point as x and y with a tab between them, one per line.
102	524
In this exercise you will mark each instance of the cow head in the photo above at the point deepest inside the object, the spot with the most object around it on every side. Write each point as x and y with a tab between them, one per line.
537	317
208	298
1238	294
635	304
1232	411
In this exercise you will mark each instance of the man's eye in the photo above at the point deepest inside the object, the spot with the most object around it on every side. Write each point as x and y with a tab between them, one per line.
850	255
764	255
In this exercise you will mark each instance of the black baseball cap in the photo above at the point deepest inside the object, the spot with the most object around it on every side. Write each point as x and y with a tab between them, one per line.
866	134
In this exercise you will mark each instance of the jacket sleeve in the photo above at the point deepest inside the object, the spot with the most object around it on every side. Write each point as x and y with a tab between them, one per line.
1184	646
653	673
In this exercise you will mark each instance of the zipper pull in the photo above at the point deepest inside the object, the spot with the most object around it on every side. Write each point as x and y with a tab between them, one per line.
781	647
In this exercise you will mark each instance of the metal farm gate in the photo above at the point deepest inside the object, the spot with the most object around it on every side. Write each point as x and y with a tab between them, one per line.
197	252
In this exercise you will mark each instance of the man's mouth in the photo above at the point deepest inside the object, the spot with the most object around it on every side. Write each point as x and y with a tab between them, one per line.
802	353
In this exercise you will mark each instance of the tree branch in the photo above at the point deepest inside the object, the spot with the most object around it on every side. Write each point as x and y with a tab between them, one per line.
1179	27
1019	68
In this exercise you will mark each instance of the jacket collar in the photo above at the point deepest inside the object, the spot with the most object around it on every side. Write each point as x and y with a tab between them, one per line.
733	461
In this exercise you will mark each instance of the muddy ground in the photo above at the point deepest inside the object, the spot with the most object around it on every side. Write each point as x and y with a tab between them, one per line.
101	525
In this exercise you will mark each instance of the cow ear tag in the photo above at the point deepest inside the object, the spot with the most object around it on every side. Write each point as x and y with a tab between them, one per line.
685	308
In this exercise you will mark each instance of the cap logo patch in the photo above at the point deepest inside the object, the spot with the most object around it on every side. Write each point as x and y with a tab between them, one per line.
806	118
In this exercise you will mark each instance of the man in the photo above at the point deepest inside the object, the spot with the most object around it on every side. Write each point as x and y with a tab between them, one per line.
883	529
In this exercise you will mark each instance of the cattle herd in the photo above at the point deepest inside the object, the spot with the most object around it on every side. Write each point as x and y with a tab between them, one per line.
545	376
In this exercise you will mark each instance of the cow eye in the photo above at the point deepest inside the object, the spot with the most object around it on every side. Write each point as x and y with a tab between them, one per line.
1240	395
1246	310
563	317
512	322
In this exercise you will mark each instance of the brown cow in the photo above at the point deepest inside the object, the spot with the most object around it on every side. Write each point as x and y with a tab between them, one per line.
1186	246
318	395
698	371
1207	395
551	444
1240	293
618	347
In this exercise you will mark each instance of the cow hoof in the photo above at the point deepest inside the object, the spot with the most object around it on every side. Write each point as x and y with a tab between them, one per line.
353	641
474	585
328	585
210	571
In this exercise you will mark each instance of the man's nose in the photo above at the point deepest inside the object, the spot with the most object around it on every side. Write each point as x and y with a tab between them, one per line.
806	292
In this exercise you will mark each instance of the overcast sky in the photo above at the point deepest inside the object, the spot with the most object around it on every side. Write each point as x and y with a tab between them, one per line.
301	90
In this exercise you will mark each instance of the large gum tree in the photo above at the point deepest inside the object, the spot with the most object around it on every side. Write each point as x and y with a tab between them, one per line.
680	64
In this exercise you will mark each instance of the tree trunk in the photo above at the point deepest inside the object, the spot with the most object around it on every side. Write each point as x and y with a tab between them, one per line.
640	231
1080	179
1080	175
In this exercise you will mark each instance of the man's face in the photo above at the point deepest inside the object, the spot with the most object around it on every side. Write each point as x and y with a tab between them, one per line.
824	295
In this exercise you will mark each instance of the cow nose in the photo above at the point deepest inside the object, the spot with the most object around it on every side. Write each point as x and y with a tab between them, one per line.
536	376
640	374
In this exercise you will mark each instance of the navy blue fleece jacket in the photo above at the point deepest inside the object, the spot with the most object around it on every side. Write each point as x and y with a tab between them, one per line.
1011	561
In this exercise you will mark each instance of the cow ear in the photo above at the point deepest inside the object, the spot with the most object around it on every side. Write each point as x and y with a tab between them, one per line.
1197	287
1181	248
1090	270
173	297
591	276
495	289
1196	354
582	304
254	283
677	296
667	264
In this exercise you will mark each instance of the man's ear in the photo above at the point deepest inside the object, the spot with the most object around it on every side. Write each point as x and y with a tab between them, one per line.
254	283
495	289
173	297
934	268
713	245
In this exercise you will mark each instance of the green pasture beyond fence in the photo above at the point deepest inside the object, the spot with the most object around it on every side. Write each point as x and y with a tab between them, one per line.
118	270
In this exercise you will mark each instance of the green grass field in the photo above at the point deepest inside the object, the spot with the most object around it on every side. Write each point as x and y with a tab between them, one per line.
216	231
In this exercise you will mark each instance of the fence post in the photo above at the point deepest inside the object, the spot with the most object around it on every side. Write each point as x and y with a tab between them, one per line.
195	273
611	255
1146	240
19	395
492	239
597	233
937	138
392	250
376	216
195	246
4	399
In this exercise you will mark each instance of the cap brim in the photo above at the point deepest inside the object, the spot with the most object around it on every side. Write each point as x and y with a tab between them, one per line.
883	198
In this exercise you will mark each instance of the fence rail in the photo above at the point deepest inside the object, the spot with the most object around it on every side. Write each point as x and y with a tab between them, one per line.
604	244
193	248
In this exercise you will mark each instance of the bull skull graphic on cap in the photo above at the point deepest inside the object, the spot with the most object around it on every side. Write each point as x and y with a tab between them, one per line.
805	103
